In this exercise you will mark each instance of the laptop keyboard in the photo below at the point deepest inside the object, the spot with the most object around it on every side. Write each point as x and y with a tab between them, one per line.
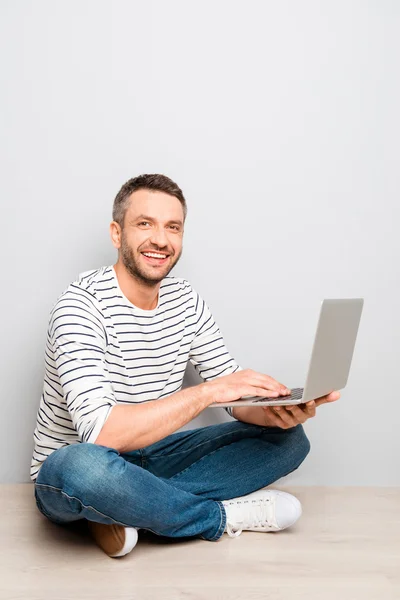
296	394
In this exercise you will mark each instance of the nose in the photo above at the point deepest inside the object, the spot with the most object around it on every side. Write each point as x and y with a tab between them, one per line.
158	237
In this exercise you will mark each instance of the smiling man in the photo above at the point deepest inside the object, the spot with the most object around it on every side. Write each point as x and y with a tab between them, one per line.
106	446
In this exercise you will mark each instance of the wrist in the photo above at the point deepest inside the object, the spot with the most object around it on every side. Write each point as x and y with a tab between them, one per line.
207	393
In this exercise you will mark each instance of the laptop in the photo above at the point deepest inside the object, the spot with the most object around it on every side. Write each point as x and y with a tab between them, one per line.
330	358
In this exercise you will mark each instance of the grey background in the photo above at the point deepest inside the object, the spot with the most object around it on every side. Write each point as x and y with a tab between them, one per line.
280	121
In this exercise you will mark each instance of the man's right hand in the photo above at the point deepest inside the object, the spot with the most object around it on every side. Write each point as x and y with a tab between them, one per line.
244	383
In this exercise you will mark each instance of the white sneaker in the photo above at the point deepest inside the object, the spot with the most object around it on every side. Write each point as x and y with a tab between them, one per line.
263	510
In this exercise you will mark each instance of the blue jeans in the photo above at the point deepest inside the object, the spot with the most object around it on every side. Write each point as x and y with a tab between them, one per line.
174	487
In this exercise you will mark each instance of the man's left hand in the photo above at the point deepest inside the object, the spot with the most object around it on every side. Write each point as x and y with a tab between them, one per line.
290	416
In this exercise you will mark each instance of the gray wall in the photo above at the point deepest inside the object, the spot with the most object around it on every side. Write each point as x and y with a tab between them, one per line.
280	121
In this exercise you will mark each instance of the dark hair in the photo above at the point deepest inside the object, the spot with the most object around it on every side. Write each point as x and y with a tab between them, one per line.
155	182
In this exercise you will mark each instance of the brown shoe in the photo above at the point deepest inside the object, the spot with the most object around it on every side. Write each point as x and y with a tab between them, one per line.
115	540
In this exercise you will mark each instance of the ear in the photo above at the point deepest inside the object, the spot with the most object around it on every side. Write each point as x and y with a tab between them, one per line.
115	233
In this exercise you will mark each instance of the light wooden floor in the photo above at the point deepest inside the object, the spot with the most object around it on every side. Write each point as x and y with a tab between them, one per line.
346	546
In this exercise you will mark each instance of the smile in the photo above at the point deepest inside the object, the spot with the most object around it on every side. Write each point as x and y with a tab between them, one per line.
155	257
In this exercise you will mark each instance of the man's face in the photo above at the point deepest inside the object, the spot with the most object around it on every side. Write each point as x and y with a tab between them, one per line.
153	224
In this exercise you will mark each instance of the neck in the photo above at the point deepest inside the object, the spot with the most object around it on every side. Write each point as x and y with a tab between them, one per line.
138	293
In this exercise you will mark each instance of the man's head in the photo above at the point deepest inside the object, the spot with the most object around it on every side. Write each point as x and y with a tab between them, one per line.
148	216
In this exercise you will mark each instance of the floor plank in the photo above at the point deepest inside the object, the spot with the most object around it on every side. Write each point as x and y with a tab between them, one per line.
346	545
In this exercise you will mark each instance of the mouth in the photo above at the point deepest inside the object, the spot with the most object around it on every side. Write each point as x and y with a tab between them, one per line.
155	258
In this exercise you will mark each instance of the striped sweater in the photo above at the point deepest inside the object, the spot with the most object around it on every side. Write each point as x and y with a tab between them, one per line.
101	350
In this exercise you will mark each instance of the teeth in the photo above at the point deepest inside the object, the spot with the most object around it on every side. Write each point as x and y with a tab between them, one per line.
154	255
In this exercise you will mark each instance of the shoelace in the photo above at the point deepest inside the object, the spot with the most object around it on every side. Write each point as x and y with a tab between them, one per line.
248	514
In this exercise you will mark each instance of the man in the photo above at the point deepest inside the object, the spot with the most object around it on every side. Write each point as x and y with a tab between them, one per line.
119	339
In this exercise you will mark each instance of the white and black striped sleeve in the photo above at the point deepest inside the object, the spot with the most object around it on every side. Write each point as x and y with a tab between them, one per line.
78	339
208	352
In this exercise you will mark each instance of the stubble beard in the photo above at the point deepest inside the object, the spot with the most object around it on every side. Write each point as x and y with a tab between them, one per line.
134	268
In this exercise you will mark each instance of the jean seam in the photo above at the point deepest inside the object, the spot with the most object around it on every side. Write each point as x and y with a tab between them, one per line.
221	526
222	523
55	489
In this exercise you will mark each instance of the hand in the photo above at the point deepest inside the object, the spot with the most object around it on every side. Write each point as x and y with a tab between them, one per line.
290	416
244	383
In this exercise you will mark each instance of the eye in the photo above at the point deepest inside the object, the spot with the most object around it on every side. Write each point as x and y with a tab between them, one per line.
176	227
144	223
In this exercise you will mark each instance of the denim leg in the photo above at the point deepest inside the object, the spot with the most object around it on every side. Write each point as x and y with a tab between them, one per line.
174	453
88	481
259	457
220	462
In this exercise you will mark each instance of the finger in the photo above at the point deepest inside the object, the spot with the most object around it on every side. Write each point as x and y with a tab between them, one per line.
300	414
273	419
263	381
285	416
263	392
266	380
274	384
310	408
332	397
283	389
